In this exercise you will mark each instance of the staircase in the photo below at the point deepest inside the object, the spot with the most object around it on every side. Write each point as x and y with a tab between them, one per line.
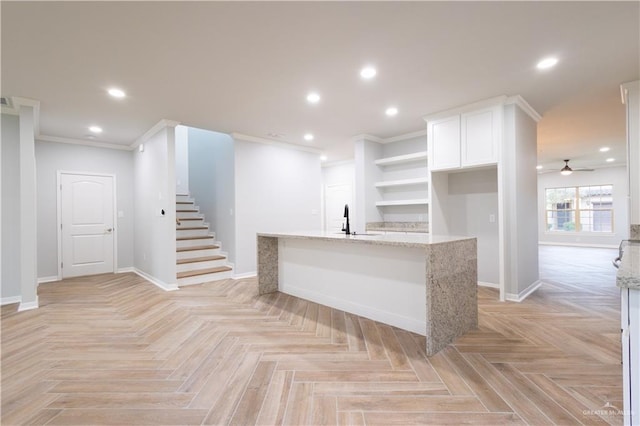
198	255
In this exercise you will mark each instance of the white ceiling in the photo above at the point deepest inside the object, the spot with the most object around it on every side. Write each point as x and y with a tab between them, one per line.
246	67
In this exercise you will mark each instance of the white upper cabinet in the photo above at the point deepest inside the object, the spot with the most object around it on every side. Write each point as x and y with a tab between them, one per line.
465	140
443	137
480	137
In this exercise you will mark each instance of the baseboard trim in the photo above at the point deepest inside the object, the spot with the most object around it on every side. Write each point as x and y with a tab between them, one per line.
28	305
10	300
245	275
155	281
490	285
553	243
126	270
50	279
524	293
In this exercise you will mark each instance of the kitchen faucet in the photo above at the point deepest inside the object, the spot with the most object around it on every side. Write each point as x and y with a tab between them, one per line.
346	229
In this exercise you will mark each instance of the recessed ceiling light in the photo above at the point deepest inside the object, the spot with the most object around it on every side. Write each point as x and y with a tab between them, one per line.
368	72
117	93
308	137
323	158
313	98
538	167
610	160
95	129
391	111
605	149
547	63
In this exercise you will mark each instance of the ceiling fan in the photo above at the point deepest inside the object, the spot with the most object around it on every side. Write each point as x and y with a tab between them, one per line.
566	170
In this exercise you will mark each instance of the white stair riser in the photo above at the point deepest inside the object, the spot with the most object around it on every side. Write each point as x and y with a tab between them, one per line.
197	253
190	223
182	206
180	215
200	265
180	233
195	243
183	198
200	279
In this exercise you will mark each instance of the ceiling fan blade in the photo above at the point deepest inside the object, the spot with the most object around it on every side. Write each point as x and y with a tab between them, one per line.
583	170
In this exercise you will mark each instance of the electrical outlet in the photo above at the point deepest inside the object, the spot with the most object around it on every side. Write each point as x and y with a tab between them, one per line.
492	218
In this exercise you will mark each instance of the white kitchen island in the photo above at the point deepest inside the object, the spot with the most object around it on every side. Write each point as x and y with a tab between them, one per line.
418	282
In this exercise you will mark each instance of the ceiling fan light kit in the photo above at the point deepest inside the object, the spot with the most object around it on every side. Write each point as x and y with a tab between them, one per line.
566	170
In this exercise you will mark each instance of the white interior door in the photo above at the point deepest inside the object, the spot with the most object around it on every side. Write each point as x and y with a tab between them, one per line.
336	196
87	224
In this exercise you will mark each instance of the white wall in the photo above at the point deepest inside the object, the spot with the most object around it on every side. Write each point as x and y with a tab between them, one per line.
52	157
616	176
518	192
406	146
154	190
367	174
10	287
277	189
211	181
472	205
526	160
632	90
28	223
182	160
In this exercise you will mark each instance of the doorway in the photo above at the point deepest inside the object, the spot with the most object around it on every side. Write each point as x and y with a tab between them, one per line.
336	196
86	218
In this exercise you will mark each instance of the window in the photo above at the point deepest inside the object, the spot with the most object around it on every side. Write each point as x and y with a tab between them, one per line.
580	209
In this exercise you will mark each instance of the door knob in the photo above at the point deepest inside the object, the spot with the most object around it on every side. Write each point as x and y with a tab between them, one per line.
109	229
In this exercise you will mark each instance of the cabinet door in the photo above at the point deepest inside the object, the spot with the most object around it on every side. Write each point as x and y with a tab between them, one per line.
444	143
479	140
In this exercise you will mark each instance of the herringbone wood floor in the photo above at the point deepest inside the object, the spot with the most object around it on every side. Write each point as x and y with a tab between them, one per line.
114	349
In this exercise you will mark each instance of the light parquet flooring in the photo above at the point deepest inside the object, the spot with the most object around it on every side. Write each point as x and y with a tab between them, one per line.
114	349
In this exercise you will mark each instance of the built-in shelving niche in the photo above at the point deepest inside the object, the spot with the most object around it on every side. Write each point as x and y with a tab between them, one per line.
404	187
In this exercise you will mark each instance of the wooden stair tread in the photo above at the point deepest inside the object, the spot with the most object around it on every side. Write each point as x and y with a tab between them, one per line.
207	247
191	228
203	271
190	218
186	211
201	237
184	202
199	259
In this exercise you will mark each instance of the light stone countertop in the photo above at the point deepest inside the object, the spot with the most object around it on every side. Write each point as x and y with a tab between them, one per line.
398	226
402	240
628	275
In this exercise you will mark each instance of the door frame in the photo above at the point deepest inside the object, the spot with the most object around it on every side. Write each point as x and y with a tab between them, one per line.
352	207
59	174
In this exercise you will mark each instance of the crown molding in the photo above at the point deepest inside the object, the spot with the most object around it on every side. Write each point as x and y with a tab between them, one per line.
367	137
524	105
71	141
281	144
9	110
405	136
338	163
497	100
626	87
162	124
